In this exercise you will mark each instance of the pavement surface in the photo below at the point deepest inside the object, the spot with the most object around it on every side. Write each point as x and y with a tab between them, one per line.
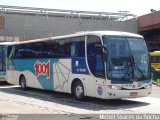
40	104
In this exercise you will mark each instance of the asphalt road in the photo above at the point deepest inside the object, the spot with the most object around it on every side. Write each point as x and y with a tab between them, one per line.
155	91
39	104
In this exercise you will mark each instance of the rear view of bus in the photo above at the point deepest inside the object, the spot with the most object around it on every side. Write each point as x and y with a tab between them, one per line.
155	64
3	63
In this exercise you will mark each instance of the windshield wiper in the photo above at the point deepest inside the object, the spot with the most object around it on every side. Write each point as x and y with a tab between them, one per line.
135	64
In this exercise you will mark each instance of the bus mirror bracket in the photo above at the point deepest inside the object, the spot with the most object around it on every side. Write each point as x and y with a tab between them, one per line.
104	47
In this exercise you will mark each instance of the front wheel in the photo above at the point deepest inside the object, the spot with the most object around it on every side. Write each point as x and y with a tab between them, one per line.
78	90
23	83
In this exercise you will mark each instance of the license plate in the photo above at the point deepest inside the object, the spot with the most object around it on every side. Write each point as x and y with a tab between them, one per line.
134	94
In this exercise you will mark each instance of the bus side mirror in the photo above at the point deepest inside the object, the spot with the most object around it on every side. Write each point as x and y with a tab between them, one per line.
105	52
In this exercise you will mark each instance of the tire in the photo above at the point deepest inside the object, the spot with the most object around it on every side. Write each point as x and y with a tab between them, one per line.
23	83
78	91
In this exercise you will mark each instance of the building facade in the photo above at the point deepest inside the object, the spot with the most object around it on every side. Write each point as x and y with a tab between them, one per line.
24	23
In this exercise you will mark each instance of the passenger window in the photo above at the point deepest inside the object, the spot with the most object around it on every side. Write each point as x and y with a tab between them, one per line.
77	47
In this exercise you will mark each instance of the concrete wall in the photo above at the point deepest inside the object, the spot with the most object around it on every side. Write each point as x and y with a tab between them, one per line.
30	26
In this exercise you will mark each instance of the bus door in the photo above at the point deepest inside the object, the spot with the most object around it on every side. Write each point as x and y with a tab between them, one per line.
96	65
2	62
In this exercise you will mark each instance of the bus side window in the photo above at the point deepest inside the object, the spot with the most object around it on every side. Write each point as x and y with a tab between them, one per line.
10	52
158	59
154	59
17	52
78	47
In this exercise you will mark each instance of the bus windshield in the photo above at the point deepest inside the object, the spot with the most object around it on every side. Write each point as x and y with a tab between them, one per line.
127	58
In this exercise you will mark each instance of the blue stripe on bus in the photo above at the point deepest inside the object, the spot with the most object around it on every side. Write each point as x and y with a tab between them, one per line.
35	66
2	73
146	81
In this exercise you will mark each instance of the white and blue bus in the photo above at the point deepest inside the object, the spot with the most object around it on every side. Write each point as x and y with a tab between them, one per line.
101	64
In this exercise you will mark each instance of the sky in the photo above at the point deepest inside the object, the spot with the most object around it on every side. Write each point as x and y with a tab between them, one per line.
136	7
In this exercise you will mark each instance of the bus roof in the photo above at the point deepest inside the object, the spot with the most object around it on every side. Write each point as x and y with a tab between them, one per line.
97	33
114	33
7	43
155	53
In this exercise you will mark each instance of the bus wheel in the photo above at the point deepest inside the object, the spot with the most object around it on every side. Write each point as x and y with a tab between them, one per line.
23	83
78	90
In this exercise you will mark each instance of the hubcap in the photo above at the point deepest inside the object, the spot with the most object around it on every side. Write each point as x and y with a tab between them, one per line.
23	83
79	91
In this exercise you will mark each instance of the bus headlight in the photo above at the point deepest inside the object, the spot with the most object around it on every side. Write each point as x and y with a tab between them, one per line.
114	87
148	86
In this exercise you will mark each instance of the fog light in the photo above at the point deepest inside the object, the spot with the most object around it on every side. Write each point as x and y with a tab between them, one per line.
148	86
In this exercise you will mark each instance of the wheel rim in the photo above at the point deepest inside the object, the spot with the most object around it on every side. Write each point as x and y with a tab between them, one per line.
23	83
79	91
